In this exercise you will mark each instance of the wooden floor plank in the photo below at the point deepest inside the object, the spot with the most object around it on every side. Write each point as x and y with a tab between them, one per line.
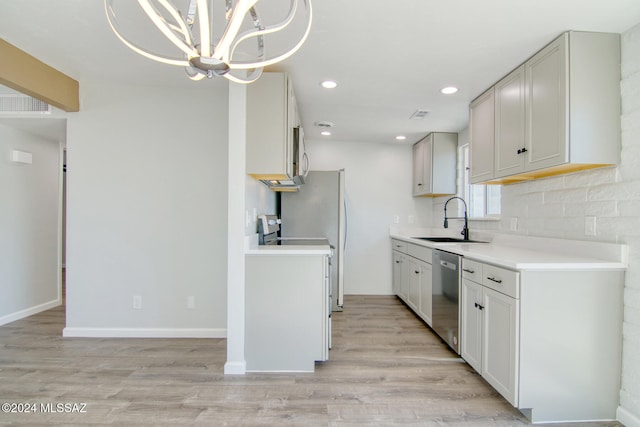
386	368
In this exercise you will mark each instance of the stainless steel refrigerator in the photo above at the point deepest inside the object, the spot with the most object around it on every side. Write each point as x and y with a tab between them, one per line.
318	209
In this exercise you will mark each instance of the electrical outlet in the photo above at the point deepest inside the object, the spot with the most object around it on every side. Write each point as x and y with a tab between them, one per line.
411	219
514	224
137	302
396	219
191	302
589	225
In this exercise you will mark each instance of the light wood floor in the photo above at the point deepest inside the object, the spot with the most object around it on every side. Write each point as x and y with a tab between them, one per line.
386	368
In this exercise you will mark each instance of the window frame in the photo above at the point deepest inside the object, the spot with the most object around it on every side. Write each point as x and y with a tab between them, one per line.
484	201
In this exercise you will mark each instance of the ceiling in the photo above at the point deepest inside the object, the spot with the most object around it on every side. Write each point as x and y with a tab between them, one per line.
388	57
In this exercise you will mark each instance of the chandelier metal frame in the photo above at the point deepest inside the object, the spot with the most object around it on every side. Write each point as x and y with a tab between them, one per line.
199	55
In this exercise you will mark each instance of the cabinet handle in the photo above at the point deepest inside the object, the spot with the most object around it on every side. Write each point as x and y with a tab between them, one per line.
493	279
478	306
397	262
416	271
522	150
419	185
468	270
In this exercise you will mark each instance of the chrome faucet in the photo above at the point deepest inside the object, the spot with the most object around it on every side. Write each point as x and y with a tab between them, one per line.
465	230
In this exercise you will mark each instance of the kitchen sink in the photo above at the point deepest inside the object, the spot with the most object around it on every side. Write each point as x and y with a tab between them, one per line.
447	240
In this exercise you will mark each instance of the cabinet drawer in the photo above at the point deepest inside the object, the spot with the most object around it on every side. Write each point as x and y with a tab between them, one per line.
472	270
399	245
501	280
420	252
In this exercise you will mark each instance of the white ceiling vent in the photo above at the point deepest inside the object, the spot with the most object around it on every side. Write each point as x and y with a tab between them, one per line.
19	104
324	124
419	114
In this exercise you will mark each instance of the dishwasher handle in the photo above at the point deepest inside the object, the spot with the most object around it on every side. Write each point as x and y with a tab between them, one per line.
449	265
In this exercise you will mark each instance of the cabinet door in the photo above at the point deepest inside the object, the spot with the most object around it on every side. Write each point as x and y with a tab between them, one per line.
413	297
500	343
400	275
481	135
546	103
396	269
270	110
510	124
443	162
434	165
425	306
427	170
418	169
471	330
422	158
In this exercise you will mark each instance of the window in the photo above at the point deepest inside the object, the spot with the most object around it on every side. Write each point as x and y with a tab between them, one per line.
483	200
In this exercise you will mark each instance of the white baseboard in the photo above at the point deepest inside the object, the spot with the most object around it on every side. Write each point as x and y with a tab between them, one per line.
144	332
235	367
29	311
627	418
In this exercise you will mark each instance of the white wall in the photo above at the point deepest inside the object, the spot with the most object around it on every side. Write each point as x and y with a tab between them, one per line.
558	206
29	224
378	182
147	210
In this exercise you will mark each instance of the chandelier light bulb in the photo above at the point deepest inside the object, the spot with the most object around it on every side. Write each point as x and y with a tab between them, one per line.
191	34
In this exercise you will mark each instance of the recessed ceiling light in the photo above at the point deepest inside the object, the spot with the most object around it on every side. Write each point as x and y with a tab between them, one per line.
325	133
449	90
401	137
329	84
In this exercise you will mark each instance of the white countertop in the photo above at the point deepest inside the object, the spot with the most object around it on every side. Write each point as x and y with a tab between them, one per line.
532	253
252	248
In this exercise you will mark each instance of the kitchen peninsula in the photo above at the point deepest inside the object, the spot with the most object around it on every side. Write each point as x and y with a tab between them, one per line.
288	305
540	319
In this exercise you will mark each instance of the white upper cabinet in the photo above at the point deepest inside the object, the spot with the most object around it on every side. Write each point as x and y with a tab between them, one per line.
510	123
275	149
482	136
557	113
418	168
434	165
546	133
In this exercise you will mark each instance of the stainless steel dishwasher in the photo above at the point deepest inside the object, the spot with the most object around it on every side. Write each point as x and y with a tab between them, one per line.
446	291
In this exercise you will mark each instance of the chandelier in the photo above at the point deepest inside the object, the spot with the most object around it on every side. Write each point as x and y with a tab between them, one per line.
211	37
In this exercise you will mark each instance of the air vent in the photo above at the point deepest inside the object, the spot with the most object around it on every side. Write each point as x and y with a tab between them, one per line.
323	124
419	114
18	103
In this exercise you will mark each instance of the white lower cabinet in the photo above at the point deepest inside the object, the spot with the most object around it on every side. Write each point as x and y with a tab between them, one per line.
471	339
287	323
489	341
425	305
400	274
411	271
500	343
535	337
413	297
